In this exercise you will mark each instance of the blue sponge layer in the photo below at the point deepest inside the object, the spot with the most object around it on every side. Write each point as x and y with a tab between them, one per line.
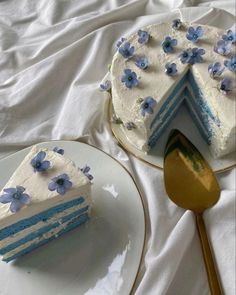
43	216
71	225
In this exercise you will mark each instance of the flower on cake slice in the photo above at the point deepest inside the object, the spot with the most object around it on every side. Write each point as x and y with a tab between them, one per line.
59	150
16	196
126	50
142	62
85	171
129	78
176	24
231	64
60	183
215	70
130	125
192	55
147	105
168	44
225	86
230	36
143	37
106	86
170	69
38	162
194	34
223	47
185	55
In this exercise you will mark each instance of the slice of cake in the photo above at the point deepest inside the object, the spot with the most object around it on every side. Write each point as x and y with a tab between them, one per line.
46	196
165	65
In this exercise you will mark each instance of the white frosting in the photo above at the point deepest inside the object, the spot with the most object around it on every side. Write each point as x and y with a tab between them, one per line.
36	185
155	83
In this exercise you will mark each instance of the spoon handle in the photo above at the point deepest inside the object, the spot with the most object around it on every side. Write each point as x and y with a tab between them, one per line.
208	258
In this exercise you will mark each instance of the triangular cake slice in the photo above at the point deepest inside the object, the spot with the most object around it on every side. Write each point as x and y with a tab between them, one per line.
46	196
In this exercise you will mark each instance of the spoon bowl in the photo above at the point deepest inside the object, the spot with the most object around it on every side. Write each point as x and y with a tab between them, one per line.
191	184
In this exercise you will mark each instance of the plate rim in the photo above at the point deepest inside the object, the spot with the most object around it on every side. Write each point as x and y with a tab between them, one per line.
127	149
145	214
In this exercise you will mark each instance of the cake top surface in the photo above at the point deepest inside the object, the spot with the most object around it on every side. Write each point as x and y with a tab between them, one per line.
60	180
154	82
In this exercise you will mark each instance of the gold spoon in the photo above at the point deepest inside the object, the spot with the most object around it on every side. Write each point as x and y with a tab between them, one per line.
191	184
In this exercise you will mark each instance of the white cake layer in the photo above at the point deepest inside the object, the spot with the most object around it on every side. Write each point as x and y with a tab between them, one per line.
36	184
51	233
155	83
19	235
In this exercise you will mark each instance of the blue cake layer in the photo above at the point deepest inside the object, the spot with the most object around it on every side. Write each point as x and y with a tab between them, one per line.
73	224
43	216
42	230
198	103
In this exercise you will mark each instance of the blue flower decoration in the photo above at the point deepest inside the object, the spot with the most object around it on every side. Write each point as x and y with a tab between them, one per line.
171	69
226	86
185	56
147	106
38	162
143	37
58	150
16	197
130	125
121	41
106	86
231	64
223	47
196	55
194	34
176	24
86	170
142	62
230	36
129	78
215	70
60	183
168	44
126	50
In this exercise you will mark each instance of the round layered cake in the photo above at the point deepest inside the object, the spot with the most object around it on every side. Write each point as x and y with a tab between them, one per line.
165	65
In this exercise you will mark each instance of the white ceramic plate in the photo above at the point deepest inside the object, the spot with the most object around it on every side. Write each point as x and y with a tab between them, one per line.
102	256
184	123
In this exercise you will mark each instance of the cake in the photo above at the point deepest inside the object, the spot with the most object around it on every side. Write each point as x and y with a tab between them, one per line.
46	196
164	65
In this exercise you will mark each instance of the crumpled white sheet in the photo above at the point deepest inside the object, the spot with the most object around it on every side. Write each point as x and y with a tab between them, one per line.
53	55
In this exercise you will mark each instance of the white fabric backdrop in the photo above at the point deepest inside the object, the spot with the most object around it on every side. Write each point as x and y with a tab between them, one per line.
53	55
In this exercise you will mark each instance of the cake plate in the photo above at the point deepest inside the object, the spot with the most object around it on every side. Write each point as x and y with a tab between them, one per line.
101	257
184	123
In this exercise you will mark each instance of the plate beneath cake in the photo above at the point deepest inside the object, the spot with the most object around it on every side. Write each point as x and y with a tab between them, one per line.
184	123
101	257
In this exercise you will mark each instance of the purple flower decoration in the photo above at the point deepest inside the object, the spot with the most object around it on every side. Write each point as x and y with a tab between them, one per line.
60	183
142	62
143	37
106	86
231	64
130	125
223	47
129	78
176	24
215	70
86	170
185	56
196	55
226	86
58	150
147	106
38	162
16	197
126	50
230	36
171	69
168	44
194	34
122	40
